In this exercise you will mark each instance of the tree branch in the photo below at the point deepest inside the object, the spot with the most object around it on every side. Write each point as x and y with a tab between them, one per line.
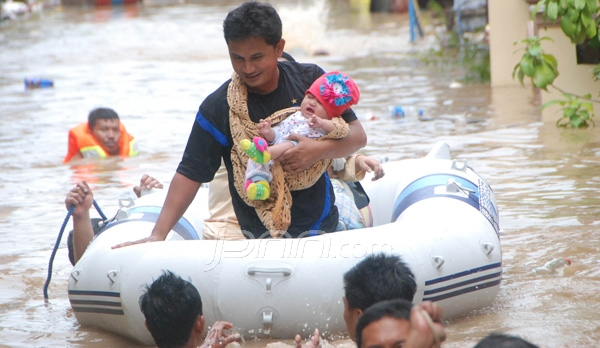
575	95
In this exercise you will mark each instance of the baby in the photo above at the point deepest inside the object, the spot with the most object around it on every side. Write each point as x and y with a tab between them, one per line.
326	99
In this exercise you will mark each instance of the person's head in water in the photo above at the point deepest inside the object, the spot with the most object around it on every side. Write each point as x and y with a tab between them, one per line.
104	125
173	311
253	36
500	340
385	324
378	277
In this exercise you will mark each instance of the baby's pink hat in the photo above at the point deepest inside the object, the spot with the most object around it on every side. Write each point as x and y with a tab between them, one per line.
336	91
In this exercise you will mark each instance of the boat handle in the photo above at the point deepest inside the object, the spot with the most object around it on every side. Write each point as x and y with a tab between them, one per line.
437	261
112	275
286	271
75	275
460	165
487	248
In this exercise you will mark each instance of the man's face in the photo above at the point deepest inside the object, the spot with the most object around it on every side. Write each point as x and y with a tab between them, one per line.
387	332
255	62
351	316
106	132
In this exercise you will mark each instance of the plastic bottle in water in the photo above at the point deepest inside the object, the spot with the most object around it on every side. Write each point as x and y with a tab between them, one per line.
36	82
396	111
553	266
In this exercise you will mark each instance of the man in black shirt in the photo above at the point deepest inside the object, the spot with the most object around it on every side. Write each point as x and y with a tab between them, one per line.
253	36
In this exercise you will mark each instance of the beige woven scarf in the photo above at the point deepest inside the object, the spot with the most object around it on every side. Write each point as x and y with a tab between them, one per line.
275	213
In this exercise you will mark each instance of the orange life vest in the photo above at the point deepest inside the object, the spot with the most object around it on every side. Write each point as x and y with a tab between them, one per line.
82	140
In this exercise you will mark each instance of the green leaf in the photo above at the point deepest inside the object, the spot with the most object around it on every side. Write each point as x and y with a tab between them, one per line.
552	11
592	5
543	75
536	9
573	14
527	65
580	35
551	60
517	66
592	30
567	26
588	21
521	76
552	102
580	4
534	50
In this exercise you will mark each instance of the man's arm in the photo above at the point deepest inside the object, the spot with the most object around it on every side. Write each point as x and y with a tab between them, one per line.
180	195
82	198
309	151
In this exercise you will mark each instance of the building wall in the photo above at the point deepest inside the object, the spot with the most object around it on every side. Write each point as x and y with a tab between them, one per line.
507	23
510	22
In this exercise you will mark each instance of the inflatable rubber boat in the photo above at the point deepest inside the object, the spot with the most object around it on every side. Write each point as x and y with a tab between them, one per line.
436	212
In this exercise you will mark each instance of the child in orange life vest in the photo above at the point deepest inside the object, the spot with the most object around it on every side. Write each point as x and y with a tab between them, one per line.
328	97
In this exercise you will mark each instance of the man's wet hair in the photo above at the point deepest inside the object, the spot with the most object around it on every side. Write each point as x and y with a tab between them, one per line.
170	306
500	340
397	309
253	19
101	113
378	277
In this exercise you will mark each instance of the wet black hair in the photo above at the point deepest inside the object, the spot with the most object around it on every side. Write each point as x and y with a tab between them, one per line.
253	19
397	309
101	113
500	340
171	306
378	277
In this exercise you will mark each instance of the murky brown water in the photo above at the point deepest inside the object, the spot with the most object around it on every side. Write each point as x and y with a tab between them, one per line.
154	64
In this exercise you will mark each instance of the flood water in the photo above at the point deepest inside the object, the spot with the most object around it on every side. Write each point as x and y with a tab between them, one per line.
154	63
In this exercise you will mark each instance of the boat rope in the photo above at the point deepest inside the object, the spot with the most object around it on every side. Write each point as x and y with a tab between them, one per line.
60	234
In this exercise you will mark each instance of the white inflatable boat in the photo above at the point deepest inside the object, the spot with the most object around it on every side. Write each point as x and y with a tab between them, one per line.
437	213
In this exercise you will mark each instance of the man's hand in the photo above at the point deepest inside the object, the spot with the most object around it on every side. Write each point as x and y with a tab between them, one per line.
150	239
81	197
147	183
216	336
426	329
313	342
301	156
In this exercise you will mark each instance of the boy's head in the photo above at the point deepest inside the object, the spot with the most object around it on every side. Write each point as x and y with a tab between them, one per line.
376	278
335	91
385	324
172	308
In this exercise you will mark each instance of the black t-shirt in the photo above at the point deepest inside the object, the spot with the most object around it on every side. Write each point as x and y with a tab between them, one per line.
211	139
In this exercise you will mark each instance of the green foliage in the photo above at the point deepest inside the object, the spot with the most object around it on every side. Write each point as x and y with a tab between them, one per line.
579	22
542	68
596	73
471	57
578	18
577	113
